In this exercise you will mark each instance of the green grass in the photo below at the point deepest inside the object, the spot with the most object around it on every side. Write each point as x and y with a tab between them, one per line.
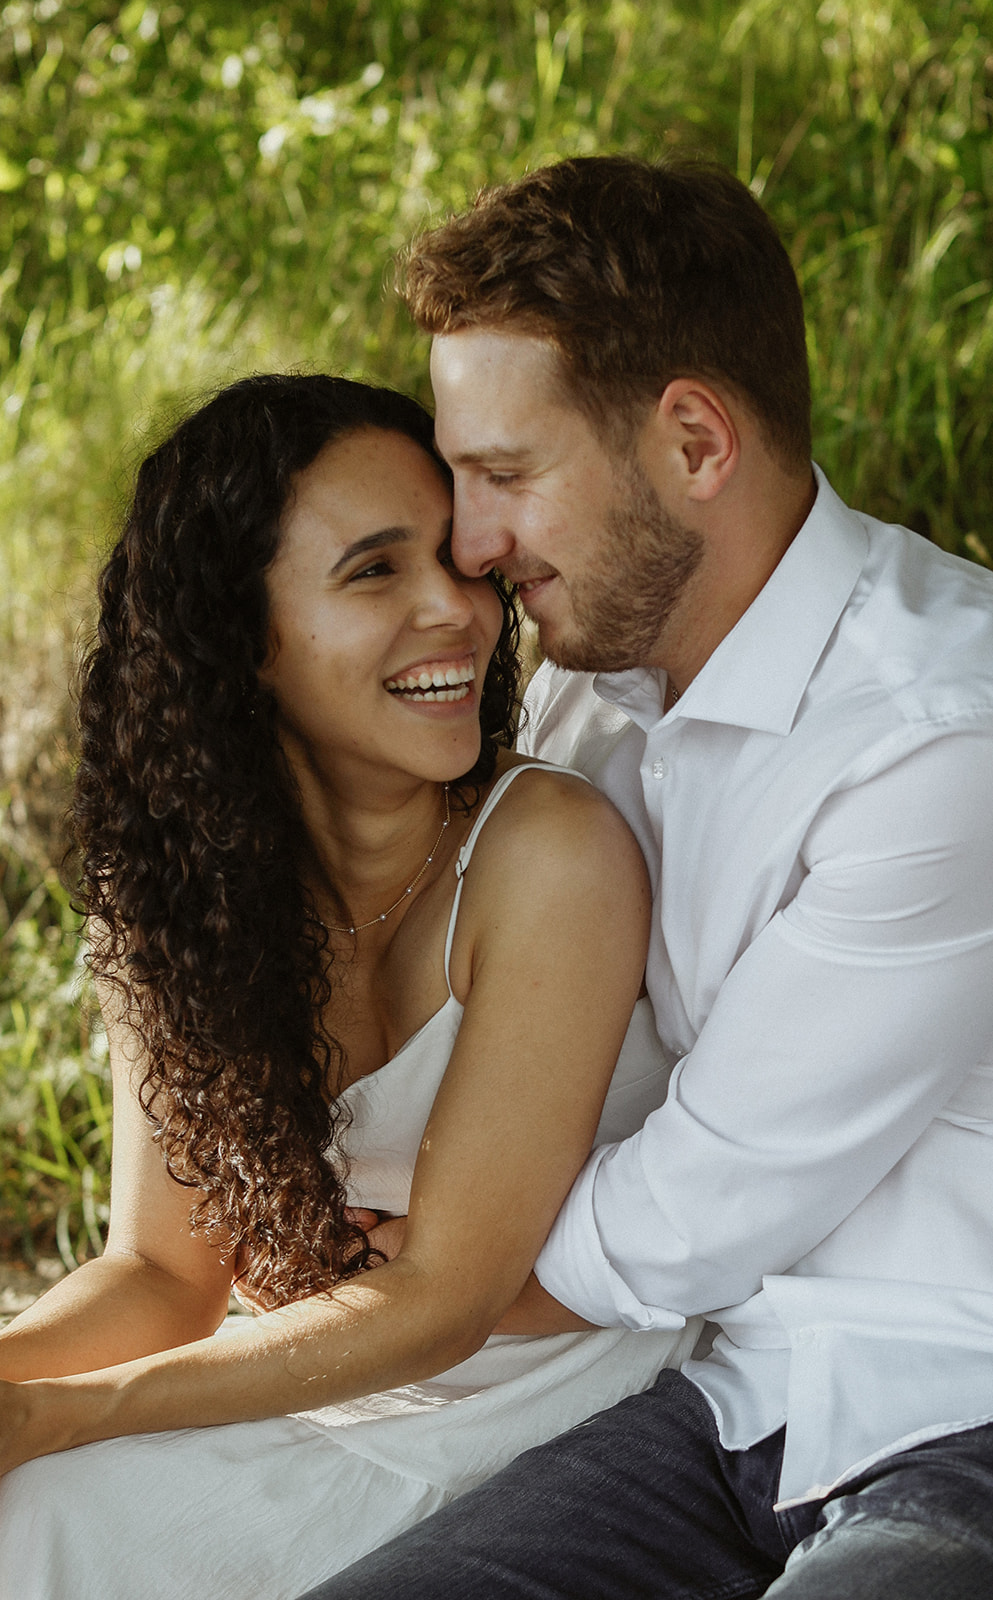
187	194
55	1128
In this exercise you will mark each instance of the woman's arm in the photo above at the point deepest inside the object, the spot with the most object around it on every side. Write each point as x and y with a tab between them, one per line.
534	1311
549	956
155	1286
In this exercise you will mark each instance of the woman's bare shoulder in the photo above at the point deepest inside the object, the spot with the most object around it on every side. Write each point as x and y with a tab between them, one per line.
549	818
557	886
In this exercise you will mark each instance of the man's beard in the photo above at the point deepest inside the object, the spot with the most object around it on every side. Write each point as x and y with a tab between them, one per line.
621	606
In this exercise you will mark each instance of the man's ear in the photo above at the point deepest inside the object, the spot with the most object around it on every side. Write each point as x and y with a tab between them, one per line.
701	434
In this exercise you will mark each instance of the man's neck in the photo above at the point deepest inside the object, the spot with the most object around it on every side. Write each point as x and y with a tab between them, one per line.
743	548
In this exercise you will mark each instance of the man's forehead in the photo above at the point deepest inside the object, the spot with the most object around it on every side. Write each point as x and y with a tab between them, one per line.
469	355
492	390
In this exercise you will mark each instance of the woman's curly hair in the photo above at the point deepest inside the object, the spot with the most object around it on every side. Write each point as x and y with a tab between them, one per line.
189	836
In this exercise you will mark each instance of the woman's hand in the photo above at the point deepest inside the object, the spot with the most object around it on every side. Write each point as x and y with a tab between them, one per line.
386	1234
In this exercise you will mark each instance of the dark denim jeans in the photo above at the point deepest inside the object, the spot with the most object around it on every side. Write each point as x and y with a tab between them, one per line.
642	1500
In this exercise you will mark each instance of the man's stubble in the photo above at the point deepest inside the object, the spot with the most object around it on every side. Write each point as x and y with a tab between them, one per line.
645	560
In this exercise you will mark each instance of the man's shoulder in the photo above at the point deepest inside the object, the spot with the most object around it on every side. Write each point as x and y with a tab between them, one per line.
899	556
566	722
920	623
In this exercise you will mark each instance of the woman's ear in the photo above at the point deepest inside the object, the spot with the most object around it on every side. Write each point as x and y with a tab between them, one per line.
271	652
702	436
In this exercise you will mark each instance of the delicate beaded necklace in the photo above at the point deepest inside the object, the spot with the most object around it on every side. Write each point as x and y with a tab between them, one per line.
333	927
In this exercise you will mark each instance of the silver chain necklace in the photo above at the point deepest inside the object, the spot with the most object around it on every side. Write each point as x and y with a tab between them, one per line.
358	927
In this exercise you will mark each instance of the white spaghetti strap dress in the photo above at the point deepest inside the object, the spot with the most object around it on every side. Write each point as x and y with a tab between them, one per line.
265	1510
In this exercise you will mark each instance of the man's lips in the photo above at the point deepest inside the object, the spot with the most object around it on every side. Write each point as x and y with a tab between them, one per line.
529	588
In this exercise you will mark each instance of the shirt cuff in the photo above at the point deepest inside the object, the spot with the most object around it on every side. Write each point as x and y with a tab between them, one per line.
574	1268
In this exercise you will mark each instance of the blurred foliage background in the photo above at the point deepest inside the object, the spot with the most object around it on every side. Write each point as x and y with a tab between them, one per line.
188	193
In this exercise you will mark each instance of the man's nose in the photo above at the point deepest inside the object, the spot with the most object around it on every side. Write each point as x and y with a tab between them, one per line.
481	535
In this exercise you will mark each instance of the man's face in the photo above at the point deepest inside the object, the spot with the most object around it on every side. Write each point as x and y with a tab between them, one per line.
598	561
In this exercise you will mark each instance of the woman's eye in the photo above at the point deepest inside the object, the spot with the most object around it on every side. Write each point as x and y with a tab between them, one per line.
375	569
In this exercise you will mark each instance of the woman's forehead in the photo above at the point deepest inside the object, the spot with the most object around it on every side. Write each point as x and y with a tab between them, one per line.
369	482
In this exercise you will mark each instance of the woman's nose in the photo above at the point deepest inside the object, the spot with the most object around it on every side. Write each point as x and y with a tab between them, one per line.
444	600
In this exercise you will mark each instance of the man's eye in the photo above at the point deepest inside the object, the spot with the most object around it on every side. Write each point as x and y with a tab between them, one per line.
501	479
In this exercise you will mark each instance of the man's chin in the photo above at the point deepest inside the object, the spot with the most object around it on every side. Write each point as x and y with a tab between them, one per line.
559	650
583	655
578	649
572	655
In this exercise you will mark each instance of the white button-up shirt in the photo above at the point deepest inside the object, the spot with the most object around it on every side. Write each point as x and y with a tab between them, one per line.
817	815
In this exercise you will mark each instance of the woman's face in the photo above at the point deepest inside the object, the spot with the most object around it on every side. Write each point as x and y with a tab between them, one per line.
378	647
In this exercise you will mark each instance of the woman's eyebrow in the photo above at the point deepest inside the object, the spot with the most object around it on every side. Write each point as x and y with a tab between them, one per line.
370	541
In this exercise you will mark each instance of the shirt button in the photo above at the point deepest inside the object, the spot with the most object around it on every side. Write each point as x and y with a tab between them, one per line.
658	767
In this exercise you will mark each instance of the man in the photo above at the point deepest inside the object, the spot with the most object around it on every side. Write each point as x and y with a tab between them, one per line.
795	714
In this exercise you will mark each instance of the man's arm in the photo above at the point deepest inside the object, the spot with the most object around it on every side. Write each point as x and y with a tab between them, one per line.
833	1042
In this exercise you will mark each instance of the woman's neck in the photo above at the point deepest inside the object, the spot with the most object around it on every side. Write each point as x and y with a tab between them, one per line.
370	843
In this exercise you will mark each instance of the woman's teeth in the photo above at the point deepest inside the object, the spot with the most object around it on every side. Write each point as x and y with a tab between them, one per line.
434	683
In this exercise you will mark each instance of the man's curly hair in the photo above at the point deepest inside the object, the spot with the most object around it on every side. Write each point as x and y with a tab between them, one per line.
189	837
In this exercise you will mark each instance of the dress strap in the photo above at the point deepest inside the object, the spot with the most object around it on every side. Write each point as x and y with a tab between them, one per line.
464	856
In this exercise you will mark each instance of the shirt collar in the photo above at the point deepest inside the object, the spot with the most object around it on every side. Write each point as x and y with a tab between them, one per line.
757	676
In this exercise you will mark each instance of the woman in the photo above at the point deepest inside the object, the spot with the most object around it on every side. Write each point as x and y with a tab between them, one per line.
336	929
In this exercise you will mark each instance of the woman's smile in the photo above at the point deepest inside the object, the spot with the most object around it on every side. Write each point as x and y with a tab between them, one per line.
434	683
